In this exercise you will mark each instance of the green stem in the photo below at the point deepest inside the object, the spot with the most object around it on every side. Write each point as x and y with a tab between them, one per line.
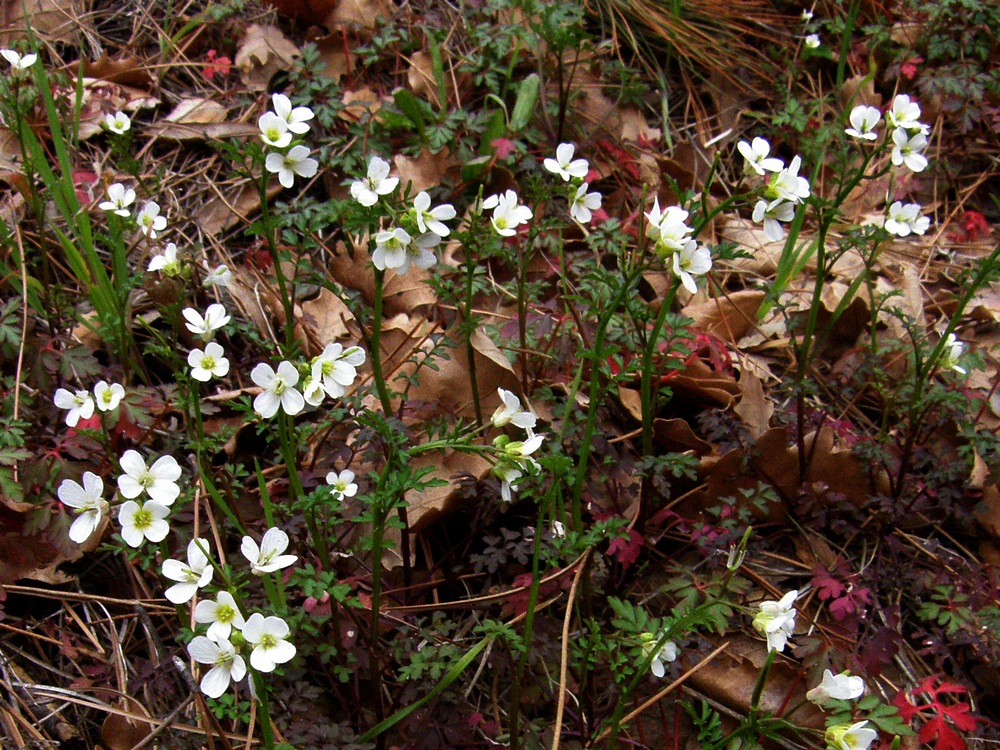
376	347
267	732
287	303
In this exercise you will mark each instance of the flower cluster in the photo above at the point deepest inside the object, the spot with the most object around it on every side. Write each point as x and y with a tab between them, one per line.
661	654
514	457
776	621
287	158
79	404
582	202
417	230
328	375
784	190
843	687
671	236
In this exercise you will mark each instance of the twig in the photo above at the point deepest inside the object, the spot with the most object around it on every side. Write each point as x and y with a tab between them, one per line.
564	657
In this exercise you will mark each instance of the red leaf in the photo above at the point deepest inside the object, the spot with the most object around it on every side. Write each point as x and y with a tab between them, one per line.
626	551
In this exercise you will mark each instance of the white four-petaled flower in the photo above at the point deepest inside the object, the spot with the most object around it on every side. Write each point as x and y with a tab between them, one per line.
902	220
226	664
376	183
146	521
667	228
510	412
18	61
850	737
267	636
771	214
508	214
583	204
150	221
107	397
335	369
196	574
905	114
159	481
221	615
118	122
119	199
297	118
343	484
864	119
296	161
908	148
80	405
954	349
166	262
208	364
279	389
841	687
813	41
776	621
757	159
268	557
667	652
215	318
690	261
274	130
218	276
431	219
87	502
565	165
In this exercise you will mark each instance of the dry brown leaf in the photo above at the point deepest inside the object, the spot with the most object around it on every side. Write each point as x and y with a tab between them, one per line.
421	77
101	97
360	105
360	16
53	20
425	171
199	118
988	510
699	384
129	71
400	294
122	733
676	436
335	55
237	207
755	407
327	319
730	317
263	51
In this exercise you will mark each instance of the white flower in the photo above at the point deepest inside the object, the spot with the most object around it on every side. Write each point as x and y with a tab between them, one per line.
507	475
205	327
776	621
312	389
692	260
166	262
274	130
514	459
666	653
226	664
195	575
558	529
954	350
508	215
905	114
295	117
841	687
565	166
863	121
583	204
119	199
335	369
87	502
267	635
159	481
218	276
668	228
390	249
787	185
756	155
905	219
208	364
79	403
771	214
279	389
107	397
807	15
17	61
907	150
144	521
223	615
295	162
812	41
510	412
343	484
378	182
118	123
854	737
430	219
268	557
150	221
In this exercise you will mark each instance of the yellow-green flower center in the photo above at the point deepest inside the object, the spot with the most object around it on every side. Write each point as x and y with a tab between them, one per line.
268	641
224	613
143	519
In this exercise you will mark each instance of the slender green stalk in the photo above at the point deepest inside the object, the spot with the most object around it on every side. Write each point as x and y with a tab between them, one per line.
268	224
376	346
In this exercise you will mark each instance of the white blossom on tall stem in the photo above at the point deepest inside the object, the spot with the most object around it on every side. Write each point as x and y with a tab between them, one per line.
296	161
117	123
146	521
857	736
864	120
771	214
908	150
279	389
432	219
107	397
954	349
218	276
390	248
788	185
902	220
565	165
508	214
756	155
664	654
274	130
583	204
221	614
667	228
336	368
87	502
267	636
208	364
18	61
343	484
812	41
510	412
80	405
215	318
159	481
150	221
119	199
841	687
297	118
377	183
776	621
690	261
166	262
195	575
905	115
268	557
226	664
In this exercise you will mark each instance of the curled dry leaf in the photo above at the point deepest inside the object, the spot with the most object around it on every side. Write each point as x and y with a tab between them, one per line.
755	407
421	78
263	51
